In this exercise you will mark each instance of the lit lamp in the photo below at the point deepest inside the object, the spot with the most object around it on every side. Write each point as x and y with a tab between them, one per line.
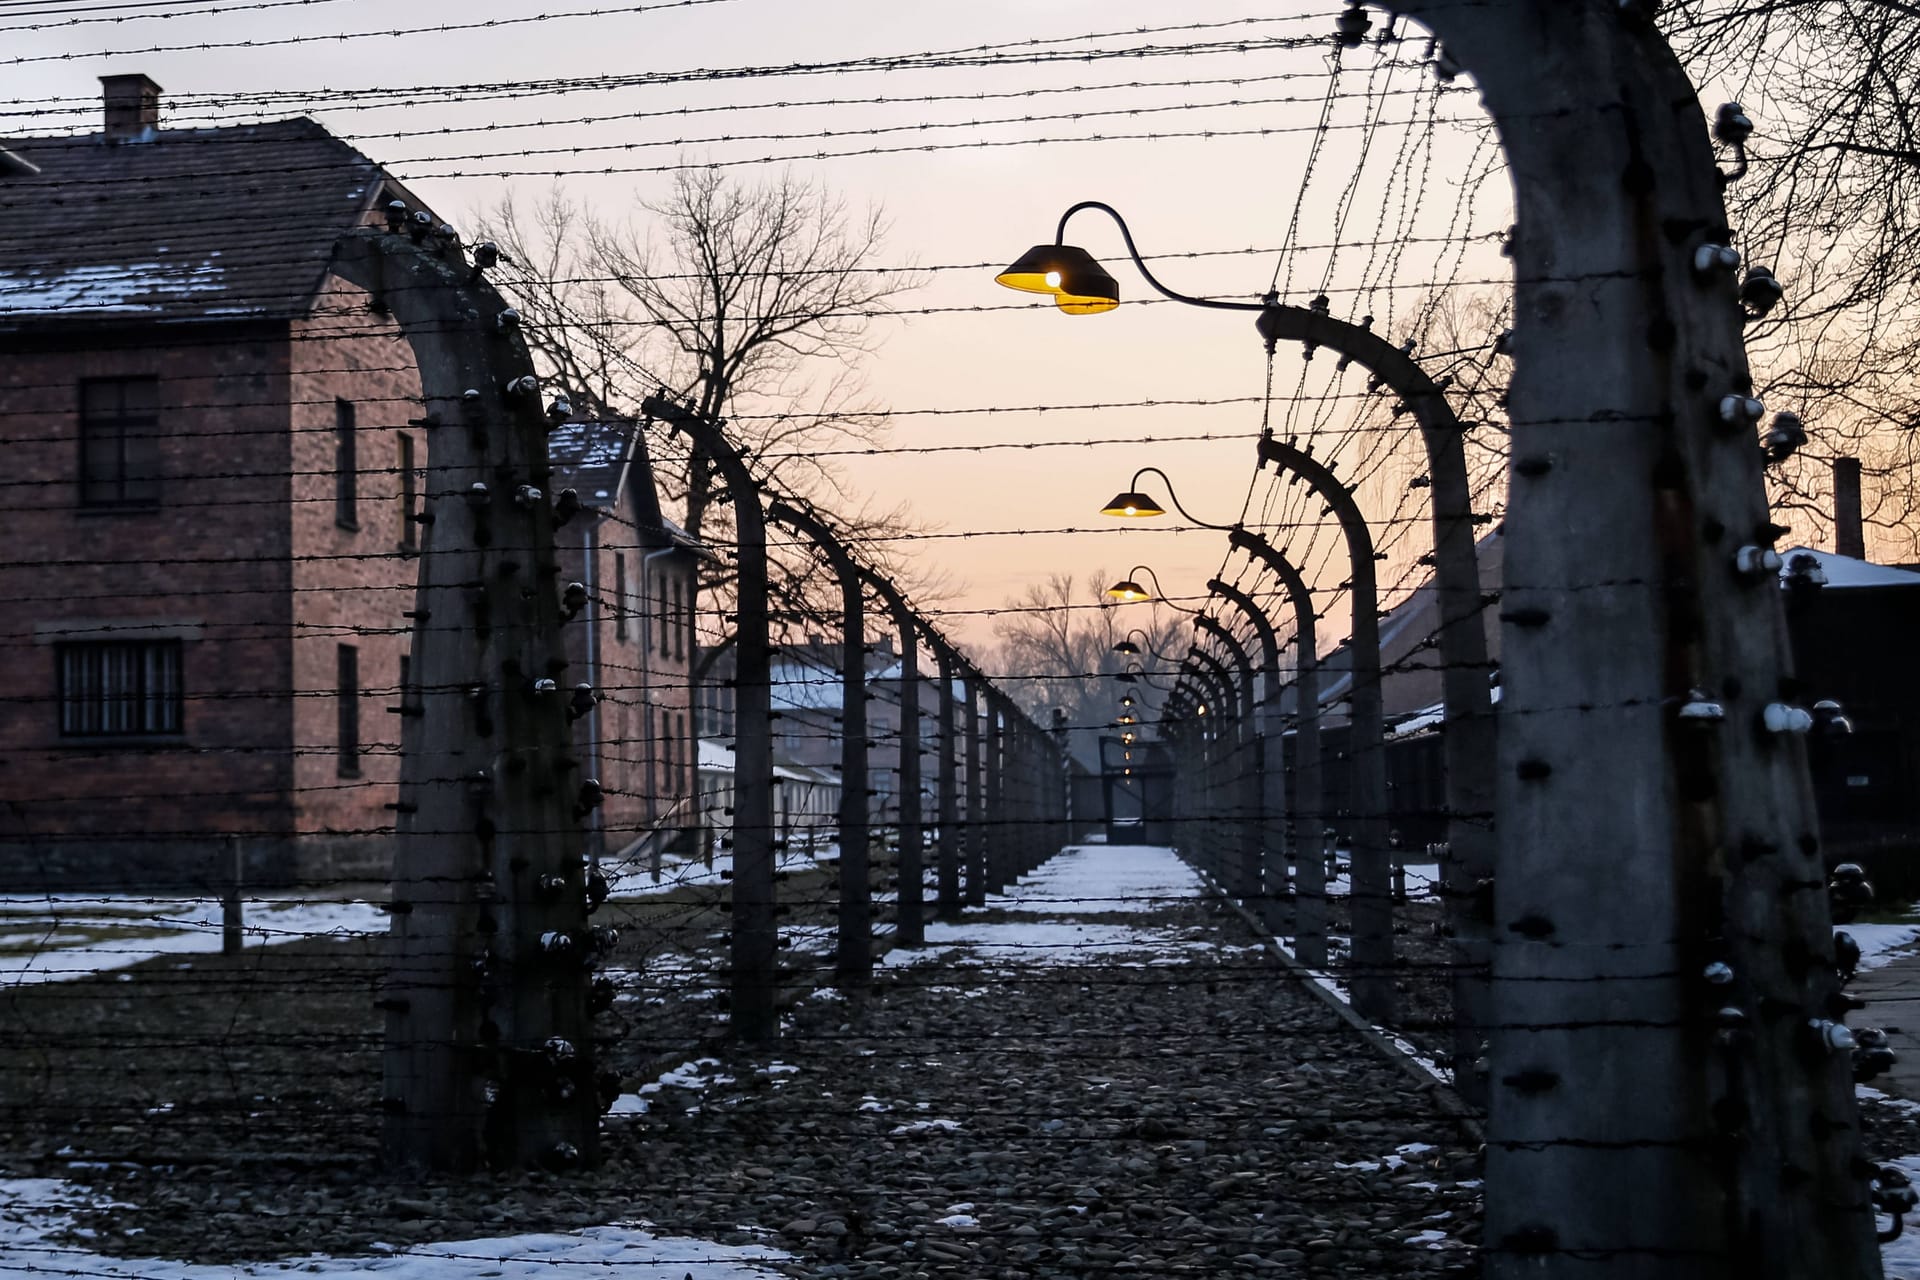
1078	285
1134	504
1081	286
1129	591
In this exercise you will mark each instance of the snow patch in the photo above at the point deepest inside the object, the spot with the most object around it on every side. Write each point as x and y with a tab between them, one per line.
35	1210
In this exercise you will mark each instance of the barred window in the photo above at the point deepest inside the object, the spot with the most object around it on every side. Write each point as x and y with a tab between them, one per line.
119	442
120	688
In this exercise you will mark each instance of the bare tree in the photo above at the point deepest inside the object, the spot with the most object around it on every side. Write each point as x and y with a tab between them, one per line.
1056	652
755	304
1831	203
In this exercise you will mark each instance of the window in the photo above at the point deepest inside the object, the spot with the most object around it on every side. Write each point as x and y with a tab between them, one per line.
666	751
660	611
348	686
120	688
119	442
679	621
619	596
346	467
409	497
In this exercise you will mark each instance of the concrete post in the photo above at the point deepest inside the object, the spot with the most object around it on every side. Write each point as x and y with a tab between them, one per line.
1271	875
1307	817
854	943
489	1052
949	901
1243	783
976	862
756	968
1658	851
1372	978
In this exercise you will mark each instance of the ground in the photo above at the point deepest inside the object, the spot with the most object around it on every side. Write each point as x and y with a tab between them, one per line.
1104	1071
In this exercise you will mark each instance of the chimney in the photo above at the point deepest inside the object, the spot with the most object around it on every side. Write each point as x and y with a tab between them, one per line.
133	107
1849	536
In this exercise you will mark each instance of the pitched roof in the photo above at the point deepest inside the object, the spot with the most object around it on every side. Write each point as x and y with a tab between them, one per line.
177	224
588	456
1846	571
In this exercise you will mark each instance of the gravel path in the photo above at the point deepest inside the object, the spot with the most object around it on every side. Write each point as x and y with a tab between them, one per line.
1100	1073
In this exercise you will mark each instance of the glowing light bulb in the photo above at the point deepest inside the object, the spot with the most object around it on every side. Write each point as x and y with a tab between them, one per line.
1053	279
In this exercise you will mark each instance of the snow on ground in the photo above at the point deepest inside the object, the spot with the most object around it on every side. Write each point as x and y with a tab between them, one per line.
56	937
1423	879
34	1210
1901	1258
637	879
1880	943
1082	880
1103	878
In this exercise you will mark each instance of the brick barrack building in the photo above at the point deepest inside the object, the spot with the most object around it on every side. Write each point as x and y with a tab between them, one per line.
213	458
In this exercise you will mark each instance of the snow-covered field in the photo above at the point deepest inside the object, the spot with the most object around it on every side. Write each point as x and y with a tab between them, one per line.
57	937
34	1210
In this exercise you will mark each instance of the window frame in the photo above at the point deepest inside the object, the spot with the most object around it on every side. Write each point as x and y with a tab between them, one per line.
346	464
131	490
409	492
70	706
347	691
619	595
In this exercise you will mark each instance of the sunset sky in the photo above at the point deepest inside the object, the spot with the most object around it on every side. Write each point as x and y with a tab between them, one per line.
1411	203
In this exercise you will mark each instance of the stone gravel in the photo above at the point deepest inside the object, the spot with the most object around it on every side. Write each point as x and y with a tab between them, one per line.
1156	1112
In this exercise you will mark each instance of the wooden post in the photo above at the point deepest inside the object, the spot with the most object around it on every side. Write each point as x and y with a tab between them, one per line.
231	923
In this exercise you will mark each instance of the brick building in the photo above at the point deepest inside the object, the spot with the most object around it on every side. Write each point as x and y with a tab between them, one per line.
212	464
637	638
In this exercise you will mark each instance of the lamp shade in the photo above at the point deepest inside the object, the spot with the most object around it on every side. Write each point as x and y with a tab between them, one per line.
1127	591
1132	504
1079	285
1127	646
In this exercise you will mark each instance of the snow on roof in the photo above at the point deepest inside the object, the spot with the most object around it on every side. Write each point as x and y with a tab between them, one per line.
718	757
1846	571
236	221
588	456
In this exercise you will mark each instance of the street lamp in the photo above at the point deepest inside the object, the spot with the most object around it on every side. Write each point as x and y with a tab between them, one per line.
1080	286
1136	504
1129	591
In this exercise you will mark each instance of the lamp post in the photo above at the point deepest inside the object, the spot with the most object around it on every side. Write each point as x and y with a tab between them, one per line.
1311	918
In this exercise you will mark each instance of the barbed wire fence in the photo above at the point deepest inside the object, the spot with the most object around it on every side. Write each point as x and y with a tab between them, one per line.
735	901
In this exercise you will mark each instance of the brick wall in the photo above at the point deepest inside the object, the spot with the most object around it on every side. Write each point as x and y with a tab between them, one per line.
354	576
643	691
206	565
